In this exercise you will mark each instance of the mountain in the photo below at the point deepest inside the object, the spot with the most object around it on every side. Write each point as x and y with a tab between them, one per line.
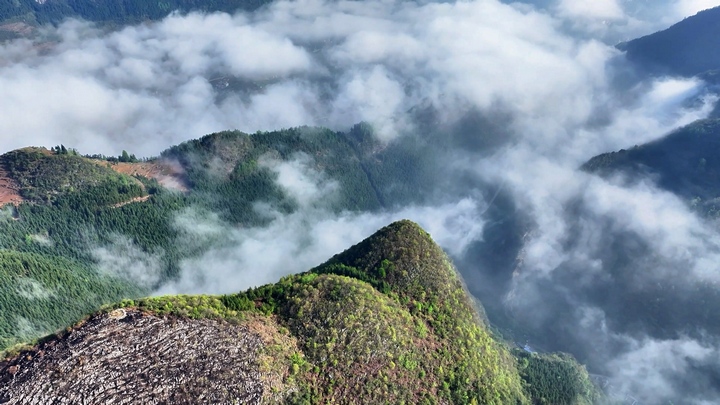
20	17
79	231
388	320
65	210
684	162
44	176
688	48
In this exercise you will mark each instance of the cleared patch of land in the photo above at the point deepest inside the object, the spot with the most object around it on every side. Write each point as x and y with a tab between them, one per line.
19	28
9	189
130	357
169	174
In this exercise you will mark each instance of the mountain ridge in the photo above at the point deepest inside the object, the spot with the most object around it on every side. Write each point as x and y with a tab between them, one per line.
315	337
688	48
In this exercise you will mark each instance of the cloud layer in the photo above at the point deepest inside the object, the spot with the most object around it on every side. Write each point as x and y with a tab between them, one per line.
302	63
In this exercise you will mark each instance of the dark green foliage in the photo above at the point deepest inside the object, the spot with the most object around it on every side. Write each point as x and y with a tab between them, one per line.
228	165
556	379
688	48
127	158
77	203
428	343
43	177
67	233
40	294
684	162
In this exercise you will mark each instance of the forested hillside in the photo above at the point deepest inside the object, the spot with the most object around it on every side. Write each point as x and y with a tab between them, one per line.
80	209
387	320
684	162
688	48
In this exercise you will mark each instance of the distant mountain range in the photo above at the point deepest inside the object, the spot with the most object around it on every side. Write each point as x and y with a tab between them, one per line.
32	12
686	160
688	48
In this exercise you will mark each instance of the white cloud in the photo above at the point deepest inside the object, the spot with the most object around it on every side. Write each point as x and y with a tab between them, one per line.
688	8
124	260
32	289
648	370
302	182
599	9
299	241
145	87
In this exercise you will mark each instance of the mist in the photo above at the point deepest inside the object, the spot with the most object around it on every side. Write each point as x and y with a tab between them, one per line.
518	95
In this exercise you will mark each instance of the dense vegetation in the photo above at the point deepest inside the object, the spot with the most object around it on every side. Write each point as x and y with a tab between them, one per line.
555	379
688	48
390	309
230	167
234	168
39	292
76	205
43	176
415	339
684	162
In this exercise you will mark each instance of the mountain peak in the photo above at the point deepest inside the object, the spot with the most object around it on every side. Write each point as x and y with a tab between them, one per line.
404	257
329	335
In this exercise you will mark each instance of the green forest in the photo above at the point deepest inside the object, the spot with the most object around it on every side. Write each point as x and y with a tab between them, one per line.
75	204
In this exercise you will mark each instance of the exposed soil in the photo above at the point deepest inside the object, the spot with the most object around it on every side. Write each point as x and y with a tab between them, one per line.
19	28
9	189
169	174
128	357
133	200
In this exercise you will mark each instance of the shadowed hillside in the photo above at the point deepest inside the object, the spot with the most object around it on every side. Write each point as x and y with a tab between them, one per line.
688	48
684	162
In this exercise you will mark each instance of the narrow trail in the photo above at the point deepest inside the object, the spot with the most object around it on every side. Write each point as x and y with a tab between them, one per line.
133	200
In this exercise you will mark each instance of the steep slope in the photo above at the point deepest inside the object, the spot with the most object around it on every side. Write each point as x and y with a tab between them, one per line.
399	329
684	162
427	332
43	176
41	292
688	48
237	168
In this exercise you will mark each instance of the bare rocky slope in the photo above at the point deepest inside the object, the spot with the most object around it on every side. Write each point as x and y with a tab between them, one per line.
130	357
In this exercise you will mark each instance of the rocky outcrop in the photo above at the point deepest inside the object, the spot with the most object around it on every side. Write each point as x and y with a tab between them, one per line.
129	357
